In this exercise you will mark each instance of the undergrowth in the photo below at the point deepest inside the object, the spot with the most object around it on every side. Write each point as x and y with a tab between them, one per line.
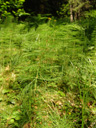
47	75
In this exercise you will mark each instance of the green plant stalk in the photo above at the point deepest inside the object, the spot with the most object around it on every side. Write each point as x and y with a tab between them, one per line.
10	48
83	99
83	109
36	79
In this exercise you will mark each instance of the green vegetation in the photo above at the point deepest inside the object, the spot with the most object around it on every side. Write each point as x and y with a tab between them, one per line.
48	73
14	7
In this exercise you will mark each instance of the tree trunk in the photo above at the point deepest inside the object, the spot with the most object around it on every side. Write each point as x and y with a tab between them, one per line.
71	13
79	14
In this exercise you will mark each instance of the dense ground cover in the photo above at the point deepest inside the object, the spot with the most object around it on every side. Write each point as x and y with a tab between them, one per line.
47	74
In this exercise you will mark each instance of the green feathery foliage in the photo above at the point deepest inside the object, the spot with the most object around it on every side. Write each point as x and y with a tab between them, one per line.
47	75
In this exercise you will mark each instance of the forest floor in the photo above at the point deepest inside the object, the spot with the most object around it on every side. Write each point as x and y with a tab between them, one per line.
47	75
